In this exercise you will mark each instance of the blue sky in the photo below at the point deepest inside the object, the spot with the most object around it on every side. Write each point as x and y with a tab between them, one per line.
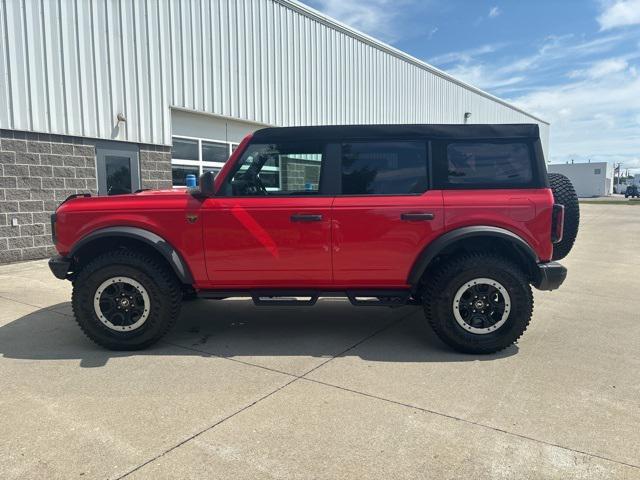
574	63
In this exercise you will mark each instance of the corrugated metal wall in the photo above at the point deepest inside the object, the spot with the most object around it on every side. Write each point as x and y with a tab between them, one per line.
70	66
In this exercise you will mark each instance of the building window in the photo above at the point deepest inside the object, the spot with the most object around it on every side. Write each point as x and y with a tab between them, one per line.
179	174
597	171
215	152
185	149
194	156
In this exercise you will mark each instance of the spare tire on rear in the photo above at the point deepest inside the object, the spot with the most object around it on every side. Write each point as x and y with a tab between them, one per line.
564	194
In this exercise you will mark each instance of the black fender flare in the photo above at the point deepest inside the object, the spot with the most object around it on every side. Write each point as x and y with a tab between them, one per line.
159	244
434	248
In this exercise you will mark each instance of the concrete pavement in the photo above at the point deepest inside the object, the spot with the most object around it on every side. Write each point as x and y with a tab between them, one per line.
334	391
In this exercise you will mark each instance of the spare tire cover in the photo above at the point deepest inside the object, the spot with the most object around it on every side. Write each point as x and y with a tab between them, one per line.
564	194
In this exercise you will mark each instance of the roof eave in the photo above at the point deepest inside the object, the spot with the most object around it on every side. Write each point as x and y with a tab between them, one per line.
333	23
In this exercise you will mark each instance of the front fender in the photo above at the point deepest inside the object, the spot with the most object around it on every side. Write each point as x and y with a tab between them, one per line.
158	243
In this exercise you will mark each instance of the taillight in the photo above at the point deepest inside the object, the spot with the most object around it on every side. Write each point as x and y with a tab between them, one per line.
557	223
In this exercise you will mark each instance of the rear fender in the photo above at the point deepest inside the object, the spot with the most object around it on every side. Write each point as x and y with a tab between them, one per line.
448	239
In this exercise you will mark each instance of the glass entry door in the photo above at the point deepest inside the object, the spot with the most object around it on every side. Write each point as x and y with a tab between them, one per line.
118	168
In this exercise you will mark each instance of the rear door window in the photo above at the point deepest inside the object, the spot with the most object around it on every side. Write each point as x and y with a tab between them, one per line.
384	168
488	164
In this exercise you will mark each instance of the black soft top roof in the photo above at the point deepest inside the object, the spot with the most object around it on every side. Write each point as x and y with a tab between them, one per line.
458	132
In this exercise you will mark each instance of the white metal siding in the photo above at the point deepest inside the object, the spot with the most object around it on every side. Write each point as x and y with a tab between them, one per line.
70	66
584	178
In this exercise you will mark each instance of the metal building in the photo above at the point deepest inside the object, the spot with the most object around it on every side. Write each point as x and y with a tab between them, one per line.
162	88
592	179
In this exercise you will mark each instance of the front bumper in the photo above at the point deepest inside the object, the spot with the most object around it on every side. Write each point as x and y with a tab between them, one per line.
59	266
550	276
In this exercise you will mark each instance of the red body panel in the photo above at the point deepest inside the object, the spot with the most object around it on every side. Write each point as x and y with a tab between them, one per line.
373	246
527	213
252	242
162	212
360	241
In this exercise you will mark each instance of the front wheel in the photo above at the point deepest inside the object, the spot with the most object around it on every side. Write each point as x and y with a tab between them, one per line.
125	300
478	303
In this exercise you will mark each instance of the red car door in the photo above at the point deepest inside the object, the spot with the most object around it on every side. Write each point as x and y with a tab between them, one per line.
271	226
385	216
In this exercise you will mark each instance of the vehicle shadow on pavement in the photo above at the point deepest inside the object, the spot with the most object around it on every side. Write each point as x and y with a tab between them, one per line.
238	329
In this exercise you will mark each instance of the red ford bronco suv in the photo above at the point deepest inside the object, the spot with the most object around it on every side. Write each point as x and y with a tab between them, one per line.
460	219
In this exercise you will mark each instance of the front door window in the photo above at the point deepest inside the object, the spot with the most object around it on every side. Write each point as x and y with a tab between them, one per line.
284	169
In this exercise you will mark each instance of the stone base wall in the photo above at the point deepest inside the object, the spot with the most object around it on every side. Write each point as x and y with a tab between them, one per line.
155	167
296	173
38	171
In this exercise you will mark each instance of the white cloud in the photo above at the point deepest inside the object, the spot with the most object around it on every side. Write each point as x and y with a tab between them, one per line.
620	13
592	104
554	52
466	55
483	76
567	48
377	18
592	117
601	68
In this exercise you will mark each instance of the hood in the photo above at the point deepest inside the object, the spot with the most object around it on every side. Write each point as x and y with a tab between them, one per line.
143	200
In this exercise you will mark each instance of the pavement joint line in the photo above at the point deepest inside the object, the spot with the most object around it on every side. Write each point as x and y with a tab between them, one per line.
603	296
197	434
48	309
304	376
360	342
471	422
264	397
275	370
395	402
222	357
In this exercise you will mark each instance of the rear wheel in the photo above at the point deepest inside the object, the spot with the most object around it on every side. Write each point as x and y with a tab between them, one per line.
125	300
564	194
478	303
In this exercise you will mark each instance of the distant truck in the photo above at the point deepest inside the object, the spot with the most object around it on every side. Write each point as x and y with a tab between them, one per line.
632	191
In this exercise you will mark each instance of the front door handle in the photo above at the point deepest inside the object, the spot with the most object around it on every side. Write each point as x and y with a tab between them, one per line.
416	216
304	217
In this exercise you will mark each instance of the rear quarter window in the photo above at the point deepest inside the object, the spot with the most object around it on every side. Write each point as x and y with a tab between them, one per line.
484	165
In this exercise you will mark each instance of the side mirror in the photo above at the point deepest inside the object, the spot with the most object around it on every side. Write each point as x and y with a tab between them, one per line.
207	185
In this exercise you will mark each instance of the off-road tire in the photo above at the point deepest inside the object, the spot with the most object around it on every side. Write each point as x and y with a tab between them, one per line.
564	194
158	280
446	279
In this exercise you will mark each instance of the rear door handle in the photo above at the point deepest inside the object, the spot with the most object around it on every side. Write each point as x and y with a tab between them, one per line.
304	217
416	216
